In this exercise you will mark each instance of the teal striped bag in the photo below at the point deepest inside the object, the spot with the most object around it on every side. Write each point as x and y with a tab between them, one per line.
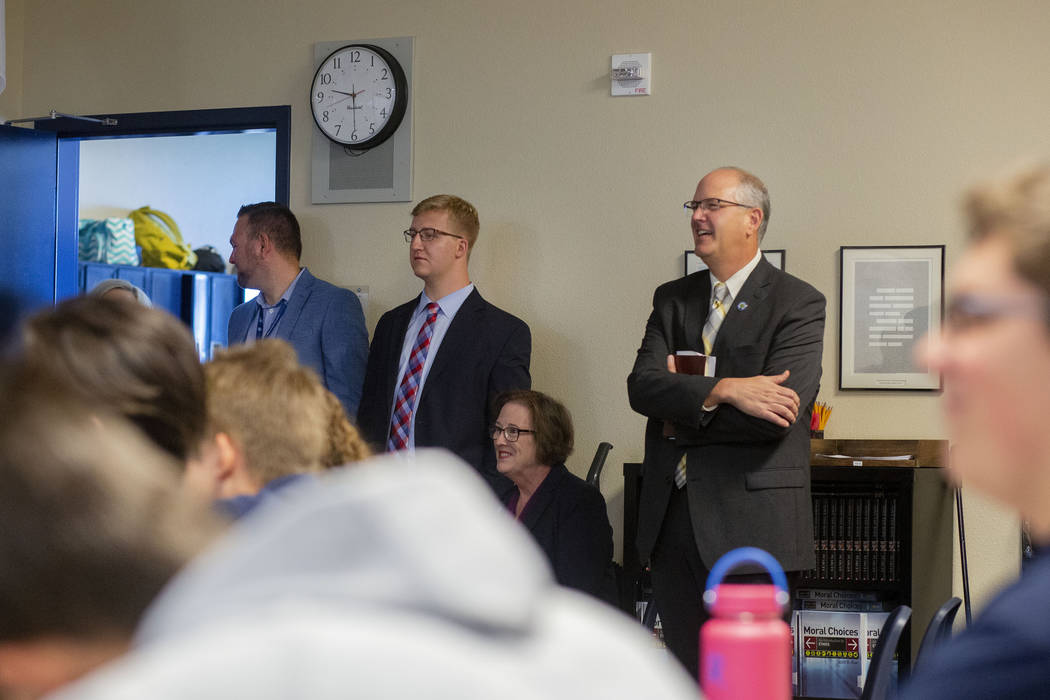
110	241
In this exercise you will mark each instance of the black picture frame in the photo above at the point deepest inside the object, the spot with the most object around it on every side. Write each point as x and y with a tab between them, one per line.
889	298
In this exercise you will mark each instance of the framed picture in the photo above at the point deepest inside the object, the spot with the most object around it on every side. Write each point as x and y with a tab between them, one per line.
890	297
777	258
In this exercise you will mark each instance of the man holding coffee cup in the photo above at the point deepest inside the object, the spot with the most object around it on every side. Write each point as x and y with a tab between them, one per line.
726	448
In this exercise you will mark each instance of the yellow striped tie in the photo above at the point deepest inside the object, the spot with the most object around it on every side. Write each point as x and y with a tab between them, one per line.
716	316
679	473
719	308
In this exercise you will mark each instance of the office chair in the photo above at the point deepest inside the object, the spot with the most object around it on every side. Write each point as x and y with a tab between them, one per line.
939	630
877	682
594	474
649	617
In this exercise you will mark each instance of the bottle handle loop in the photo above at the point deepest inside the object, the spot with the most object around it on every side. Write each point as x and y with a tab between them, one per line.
746	555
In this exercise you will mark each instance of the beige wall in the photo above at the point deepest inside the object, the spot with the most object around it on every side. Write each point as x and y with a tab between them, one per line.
11	97
865	120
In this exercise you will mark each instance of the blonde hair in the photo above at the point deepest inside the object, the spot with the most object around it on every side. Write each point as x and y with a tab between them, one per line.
277	410
345	444
460	211
1017	208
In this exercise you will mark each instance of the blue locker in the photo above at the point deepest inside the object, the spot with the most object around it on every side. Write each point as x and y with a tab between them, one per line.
225	295
200	309
93	273
135	275
164	288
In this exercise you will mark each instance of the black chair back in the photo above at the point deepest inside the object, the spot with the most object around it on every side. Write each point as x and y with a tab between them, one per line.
938	631
594	474
877	683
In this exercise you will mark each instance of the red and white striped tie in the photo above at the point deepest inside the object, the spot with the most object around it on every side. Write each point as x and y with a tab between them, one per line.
408	390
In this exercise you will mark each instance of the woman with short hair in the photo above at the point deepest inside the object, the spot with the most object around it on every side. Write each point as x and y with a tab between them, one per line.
533	436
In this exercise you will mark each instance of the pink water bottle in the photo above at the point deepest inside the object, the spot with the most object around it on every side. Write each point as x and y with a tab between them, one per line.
746	645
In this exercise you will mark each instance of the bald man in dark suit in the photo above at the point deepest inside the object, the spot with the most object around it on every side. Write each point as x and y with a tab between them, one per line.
726	456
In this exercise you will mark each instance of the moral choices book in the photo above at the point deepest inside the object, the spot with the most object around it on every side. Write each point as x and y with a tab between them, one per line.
834	651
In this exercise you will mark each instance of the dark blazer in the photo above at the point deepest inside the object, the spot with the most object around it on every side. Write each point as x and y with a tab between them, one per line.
747	479
567	518
326	326
484	352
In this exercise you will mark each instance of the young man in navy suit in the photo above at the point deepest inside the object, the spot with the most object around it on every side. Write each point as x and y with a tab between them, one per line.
437	361
324	323
726	456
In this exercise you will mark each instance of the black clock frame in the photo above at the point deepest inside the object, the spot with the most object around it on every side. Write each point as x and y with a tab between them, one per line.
400	101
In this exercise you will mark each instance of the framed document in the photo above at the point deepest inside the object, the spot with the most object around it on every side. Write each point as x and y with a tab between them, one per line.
890	297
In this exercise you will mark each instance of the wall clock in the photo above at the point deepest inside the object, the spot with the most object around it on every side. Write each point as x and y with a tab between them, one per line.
358	96
363	86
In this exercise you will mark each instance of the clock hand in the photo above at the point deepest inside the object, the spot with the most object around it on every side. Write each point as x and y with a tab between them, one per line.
353	107
335	102
350	94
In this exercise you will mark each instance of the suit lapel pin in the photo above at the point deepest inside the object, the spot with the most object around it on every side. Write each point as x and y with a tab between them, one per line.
741	306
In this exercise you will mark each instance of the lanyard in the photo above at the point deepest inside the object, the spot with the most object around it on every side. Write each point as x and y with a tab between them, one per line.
281	307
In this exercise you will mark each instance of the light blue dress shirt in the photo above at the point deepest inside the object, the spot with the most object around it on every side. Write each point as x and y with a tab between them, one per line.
269	311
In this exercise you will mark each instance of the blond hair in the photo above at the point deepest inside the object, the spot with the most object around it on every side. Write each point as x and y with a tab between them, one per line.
460	212
278	411
1017	208
345	444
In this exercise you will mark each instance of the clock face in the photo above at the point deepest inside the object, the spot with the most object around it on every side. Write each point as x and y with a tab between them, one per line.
358	96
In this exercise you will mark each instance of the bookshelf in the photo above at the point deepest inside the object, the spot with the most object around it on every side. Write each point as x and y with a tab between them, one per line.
883	537
905	559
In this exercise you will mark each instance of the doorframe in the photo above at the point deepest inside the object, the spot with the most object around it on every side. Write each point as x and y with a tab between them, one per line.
185	122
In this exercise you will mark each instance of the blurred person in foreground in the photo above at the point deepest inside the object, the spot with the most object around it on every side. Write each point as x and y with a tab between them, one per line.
272	423
396	578
533	436
994	356
137	362
92	525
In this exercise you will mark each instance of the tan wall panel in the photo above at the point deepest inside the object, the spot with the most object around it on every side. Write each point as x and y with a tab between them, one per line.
865	120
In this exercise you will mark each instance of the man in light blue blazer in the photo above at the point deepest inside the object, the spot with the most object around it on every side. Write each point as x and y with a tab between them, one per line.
324	323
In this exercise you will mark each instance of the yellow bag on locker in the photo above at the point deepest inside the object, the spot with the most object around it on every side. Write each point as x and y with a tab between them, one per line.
161	241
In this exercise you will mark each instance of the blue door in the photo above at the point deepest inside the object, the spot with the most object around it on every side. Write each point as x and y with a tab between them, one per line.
28	197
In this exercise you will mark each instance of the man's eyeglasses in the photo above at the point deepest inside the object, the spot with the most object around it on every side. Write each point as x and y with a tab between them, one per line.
712	204
968	311
511	432
426	234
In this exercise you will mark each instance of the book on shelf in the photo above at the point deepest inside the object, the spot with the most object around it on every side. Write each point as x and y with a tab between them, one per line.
855	538
833	651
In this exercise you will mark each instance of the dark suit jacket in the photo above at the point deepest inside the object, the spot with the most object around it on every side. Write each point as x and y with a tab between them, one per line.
567	518
484	352
326	326
747	479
